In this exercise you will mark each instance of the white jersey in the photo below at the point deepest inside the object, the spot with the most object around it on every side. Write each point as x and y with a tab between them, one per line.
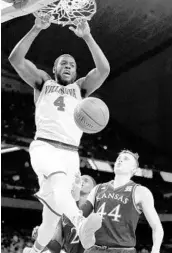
54	116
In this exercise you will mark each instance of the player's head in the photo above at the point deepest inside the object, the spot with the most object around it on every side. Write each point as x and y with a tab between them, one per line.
126	163
65	69
88	183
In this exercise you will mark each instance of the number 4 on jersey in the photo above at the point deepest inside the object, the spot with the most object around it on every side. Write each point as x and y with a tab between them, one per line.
114	213
59	102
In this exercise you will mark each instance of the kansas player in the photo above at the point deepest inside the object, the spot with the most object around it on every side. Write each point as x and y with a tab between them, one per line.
66	237
120	203
53	153
88	183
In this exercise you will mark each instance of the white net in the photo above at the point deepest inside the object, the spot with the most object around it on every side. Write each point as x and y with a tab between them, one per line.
68	12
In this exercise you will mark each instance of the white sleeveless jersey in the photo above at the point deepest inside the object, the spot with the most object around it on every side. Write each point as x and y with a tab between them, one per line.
54	116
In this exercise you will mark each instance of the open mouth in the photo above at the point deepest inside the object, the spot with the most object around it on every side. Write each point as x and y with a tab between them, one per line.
66	73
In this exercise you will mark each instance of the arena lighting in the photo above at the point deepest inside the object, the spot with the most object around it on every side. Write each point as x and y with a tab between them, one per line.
92	164
144	173
166	176
8	150
103	166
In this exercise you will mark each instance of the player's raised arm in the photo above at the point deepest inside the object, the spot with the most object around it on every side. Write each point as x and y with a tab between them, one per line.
25	68
96	76
146	201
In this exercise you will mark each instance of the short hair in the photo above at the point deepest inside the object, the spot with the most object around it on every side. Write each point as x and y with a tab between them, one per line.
135	155
92	179
63	55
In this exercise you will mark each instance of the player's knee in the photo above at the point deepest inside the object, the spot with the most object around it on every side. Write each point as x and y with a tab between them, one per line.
59	182
46	232
48	216
49	224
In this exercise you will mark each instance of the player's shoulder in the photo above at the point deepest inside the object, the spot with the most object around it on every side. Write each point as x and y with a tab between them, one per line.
47	82
142	193
104	186
45	75
50	81
79	83
143	190
45	78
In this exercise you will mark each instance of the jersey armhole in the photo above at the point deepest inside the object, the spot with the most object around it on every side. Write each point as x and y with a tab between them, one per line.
133	198
79	84
40	93
46	78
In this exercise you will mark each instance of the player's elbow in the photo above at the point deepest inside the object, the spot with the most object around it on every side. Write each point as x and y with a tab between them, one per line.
17	64
15	59
12	60
158	229
106	69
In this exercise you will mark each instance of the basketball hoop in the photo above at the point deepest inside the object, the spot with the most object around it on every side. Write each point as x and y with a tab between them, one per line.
68	12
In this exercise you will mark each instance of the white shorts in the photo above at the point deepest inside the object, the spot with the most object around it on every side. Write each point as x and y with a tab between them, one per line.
47	159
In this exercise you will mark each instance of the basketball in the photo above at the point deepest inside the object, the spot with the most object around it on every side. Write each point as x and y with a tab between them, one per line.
91	115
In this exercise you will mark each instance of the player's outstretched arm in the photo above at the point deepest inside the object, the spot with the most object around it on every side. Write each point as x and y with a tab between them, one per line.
147	203
25	68
97	76
88	207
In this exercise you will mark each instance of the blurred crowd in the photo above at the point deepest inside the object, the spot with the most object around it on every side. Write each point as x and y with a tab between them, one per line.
13	241
17	114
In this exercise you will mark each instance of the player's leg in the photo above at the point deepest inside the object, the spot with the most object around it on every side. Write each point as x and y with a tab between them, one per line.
86	228
56	165
55	188
59	168
49	223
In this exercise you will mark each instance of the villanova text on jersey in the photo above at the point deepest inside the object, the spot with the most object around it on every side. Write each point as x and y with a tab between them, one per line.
61	90
120	215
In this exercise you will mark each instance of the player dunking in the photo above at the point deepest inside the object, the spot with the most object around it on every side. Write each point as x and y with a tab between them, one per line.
53	153
120	203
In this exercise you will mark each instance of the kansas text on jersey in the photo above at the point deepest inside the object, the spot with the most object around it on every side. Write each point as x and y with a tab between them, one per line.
120	215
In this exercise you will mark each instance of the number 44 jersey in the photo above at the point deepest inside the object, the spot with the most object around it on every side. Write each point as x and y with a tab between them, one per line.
54	116
120	215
